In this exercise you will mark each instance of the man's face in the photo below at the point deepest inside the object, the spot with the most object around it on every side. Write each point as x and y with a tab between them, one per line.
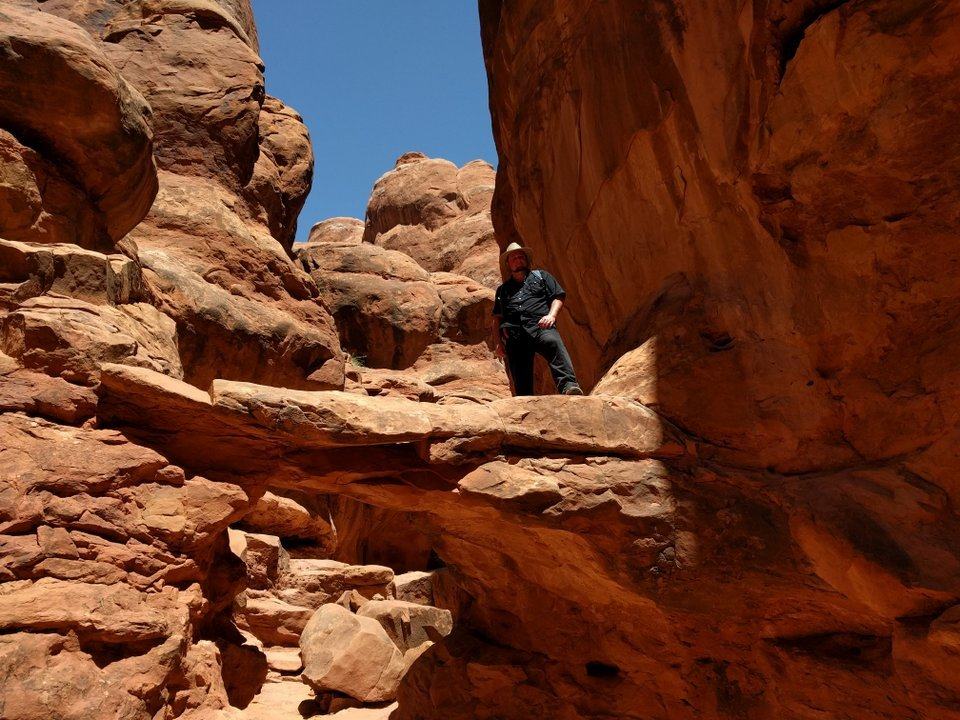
517	261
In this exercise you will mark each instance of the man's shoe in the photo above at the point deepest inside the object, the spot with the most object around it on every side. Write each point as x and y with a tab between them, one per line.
572	389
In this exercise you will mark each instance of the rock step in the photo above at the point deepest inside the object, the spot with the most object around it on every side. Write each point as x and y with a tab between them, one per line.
269	421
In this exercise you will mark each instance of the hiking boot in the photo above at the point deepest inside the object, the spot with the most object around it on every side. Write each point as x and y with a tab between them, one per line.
572	389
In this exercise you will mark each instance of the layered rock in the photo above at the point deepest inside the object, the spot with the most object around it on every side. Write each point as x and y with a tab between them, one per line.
768	269
108	556
235	168
411	289
388	309
117	581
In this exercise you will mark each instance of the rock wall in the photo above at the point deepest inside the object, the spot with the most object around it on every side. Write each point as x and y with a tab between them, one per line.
737	186
148	196
751	204
233	167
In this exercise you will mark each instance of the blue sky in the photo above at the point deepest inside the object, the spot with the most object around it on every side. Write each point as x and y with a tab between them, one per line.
374	79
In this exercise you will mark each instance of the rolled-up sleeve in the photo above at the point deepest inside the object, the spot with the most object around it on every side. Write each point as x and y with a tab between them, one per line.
554	290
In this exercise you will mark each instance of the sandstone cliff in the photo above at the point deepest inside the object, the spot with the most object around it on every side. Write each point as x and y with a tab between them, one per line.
752	204
241	479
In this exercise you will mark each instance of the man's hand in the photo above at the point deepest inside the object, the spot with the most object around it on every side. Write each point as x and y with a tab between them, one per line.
547	321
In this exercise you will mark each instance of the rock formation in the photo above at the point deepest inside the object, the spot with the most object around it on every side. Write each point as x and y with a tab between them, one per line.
438	214
243	480
411	289
750	204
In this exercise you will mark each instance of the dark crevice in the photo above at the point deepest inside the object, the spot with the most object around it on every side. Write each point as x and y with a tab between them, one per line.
106	653
598	669
846	647
790	43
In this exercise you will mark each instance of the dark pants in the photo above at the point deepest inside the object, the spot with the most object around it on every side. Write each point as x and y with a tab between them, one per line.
522	345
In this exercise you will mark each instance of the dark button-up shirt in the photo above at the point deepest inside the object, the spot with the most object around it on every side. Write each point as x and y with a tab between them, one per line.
522	304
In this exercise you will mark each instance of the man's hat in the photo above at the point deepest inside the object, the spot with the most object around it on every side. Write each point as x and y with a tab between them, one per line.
512	247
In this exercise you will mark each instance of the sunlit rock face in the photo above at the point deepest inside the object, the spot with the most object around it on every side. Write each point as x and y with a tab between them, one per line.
411	287
235	166
751	517
751	206
148	194
742	184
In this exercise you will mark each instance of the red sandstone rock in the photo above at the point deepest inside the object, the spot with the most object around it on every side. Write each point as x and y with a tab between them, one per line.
59	89
65	269
70	338
407	623
283	172
205	86
236	169
285	517
337	231
438	214
42	395
37	203
385	307
350	654
414	587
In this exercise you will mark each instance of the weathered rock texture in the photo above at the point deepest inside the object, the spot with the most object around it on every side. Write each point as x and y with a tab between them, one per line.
752	517
76	151
411	289
751	207
148	196
235	166
438	214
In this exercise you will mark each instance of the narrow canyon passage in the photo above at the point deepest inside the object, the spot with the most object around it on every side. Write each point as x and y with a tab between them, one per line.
246	478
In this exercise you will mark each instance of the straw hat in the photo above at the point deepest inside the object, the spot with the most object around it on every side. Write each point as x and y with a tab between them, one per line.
504	268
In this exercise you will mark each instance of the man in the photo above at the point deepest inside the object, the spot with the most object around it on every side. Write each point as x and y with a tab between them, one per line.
525	314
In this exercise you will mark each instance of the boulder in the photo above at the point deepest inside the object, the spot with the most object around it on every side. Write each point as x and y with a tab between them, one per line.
284	660
438	214
222	334
386	309
53	398
350	654
272	620
58	88
69	338
414	587
314	582
285	517
407	623
467	307
264	556
336	231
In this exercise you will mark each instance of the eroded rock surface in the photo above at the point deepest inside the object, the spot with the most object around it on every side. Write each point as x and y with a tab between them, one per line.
739	204
412	288
438	214
752	517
